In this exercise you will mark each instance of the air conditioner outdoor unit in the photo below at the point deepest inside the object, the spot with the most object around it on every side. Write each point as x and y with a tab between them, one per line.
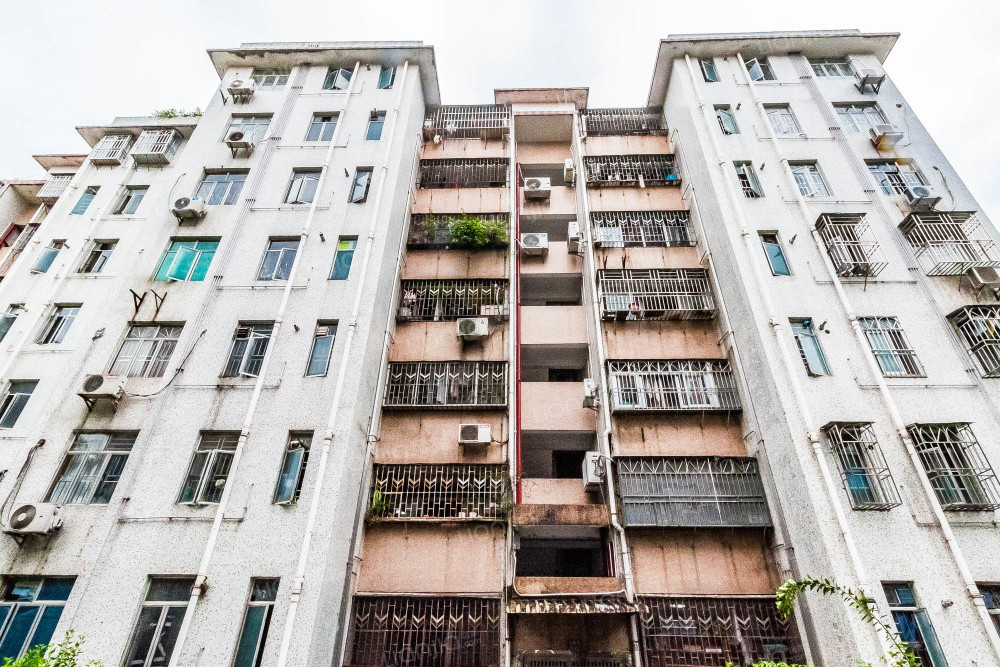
841	259
102	386
474	434
569	173
472	328
242	87
922	196
238	139
593	471
867	76
37	518
188	209
535	243
573	237
538	187
885	136
590	393
983	276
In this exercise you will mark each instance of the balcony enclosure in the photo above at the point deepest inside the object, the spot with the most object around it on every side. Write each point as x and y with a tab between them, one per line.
437	492
53	188
684	385
487	172
692	491
446	384
978	327
438	231
442	300
949	244
864	472
655	294
476	121
111	149
643	229
851	245
156	147
627	121
956	465
630	170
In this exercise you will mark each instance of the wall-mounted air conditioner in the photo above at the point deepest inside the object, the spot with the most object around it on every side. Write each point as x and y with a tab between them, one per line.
867	76
95	387
472	328
569	173
243	88
537	187
239	139
590	393
983	276
885	136
34	518
922	197
188	209
573	237
534	243
593	471
474	434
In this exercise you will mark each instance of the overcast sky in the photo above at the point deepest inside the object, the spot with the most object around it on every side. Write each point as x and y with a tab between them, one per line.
69	63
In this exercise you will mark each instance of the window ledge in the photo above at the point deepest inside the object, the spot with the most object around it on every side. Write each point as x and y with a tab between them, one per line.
289	208
265	285
92	276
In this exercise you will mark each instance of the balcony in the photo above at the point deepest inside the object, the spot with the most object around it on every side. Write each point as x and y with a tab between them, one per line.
156	147
54	187
957	468
949	244
864	473
630	170
978	326
851	245
463	173
625	121
673	386
655	294
446	385
643	229
477	121
438	231
111	150
447	300
439	492
544	658
676	491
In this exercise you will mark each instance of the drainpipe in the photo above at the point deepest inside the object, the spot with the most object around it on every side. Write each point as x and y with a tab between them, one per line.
516	311
513	444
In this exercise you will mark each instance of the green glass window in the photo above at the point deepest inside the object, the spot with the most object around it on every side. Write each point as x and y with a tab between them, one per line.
342	258
84	202
186	259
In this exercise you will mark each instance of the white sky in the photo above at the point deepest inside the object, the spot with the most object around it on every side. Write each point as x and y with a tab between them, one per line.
67	63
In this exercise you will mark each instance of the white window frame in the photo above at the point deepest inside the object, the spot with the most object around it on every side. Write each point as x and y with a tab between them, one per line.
323	121
151	658
749	185
782	119
296	453
133	193
860	116
253	334
215	449
254	126
282	252
726	118
271	78
152	353
84	468
353	197
302	187
12	400
323	329
763	67
707	64
803	329
58	323
100	256
809	179
339	79
392	77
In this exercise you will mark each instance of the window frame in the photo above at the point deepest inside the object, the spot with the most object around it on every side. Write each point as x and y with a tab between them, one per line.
750	185
353	196
831	67
895	356
132	198
782	119
96	256
330	327
104	477
809	178
303	179
262	632
383	84
10	402
764	67
929	645
47	257
58	323
199	253
254	331
230	194
781	251
335	76
271	78
342	248
85	200
256	130
325	129
707	65
165	606
859	116
279	269
213	450
894	176
803	330
290	494
14	606
156	359
726	118
376	123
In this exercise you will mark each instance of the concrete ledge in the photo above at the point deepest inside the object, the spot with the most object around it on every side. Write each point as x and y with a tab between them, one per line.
566	515
566	585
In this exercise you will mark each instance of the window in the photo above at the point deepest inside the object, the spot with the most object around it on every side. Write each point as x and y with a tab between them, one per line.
860	116
890	347
957	468
48	255
29	612
831	67
321	128
809	347
256	621
913	625
895	176
748	180
278	260
809	180
209	468
342	258
302	187
337	79
254	128
386	78
58	324
864	472
8	318
359	189
88	196
131	199
319	353
293	468
978	326
18	393
727	121
773	251
92	468
159	622
250	342
221	187
759	69
991	593
271	78
708	67
97	256
187	259
782	119
146	350
376	120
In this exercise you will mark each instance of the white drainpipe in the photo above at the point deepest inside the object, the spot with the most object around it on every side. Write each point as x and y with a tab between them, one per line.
511	445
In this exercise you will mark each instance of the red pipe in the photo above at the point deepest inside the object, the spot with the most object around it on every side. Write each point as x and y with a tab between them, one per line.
517	342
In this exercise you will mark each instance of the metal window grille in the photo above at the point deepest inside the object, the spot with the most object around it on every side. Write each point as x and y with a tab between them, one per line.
630	170
956	465
713	631
864	473
549	658
623	229
477	121
978	326
446	384
434	230
146	350
412	492
156	147
673	385
111	149
625	121
489	172
655	294
442	300
692	491
851	244
890	347
387	631
949	244
53	188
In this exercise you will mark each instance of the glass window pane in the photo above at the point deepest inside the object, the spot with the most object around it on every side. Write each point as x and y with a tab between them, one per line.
251	636
16	636
342	264
285	491
46	625
180	267
319	356
84	202
56	588
169	589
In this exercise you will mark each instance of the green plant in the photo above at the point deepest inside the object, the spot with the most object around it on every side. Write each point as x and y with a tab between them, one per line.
377	506
64	654
469	233
176	113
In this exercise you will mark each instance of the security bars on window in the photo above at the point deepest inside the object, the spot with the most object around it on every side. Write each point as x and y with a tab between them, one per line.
490	172
434	230
864	473
441	300
978	326
53	188
478	121
146	350
111	149
673	385
692	491
626	121
623	229
434	492
655	294
446	384
550	658
890	347
630	170
949	244
156	147
956	465
851	245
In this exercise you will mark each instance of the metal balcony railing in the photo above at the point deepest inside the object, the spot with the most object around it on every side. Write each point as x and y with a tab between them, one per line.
487	172
692	491
435	230
627	121
688	385
544	658
470	121
851	245
864	473
655	294
442	300
714	631
630	170
956	465
979	326
156	147
439	492
949	244
112	149
626	229
446	384
53	188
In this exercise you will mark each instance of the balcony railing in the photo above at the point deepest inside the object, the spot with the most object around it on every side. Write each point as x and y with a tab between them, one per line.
851	245
446	384
864	473
692	491
436	231
53	188
655	294
979	326
544	658
111	149
439	492
689	385
714	631
488	172
442	300
156	147
626	229
949	244
956	465
630	170
476	121
629	121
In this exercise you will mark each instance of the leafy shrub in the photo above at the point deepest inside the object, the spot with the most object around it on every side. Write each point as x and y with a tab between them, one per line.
64	654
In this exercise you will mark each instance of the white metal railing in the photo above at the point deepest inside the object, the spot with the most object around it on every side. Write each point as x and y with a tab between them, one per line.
471	121
851	245
979	326
439	491
623	229
655	294
673	385
624	121
949	243
441	300
111	149
630	170
53	188
156	146
864	473
446	384
956	465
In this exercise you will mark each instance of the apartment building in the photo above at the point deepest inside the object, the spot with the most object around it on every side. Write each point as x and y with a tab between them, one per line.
337	374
